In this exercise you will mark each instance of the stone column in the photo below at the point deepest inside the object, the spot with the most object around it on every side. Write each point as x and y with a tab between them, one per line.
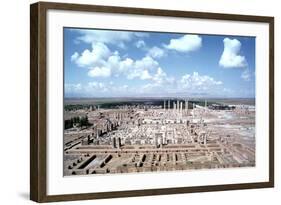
168	104
181	107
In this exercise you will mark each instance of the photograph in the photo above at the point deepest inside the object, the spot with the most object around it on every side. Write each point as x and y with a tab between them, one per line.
151	101
131	101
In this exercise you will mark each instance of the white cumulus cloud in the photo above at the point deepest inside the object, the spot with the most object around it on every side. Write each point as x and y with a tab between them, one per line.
96	87
246	75
140	44
102	62
145	75
92	57
99	72
142	68
108	37
74	56
198	82
158	84
107	89
185	43
230	57
156	52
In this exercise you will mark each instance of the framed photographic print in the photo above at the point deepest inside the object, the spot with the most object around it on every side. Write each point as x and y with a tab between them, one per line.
133	102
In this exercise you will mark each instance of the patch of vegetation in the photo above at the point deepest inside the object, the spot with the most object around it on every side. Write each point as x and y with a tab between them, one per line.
78	121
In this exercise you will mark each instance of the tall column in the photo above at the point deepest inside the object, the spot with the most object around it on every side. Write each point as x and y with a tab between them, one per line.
114	145
119	144
178	105
98	134
164	105
186	107
181	107
168	104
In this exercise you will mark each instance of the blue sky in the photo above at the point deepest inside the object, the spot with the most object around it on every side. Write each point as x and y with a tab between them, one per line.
107	63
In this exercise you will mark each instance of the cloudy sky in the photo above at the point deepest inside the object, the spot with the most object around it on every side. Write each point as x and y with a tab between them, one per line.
105	63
